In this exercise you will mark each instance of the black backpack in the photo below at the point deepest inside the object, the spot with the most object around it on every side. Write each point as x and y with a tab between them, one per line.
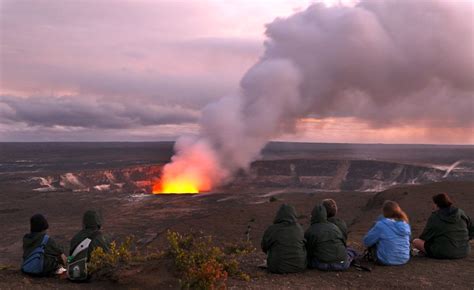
367	260
77	262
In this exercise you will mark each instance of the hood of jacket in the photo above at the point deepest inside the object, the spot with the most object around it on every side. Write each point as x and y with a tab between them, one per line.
398	227
286	214
91	220
32	239
449	215
319	214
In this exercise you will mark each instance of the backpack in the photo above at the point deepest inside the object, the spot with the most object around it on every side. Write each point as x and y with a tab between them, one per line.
367	260
77	262
34	262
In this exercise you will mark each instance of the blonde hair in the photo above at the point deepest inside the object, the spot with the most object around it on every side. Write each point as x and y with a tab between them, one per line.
392	210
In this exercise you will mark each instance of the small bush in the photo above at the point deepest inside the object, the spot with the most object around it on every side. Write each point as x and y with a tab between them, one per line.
201	264
6	267
105	264
242	248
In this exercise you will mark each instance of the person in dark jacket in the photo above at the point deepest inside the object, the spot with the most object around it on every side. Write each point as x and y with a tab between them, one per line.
331	209
447	232
325	243
91	225
390	236
284	243
54	257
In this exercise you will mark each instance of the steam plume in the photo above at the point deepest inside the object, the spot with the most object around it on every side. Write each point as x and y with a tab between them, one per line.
380	61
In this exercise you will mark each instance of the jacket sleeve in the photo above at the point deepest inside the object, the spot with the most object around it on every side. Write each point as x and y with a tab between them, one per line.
470	226
72	246
267	239
373	236
53	248
471	232
343	227
429	231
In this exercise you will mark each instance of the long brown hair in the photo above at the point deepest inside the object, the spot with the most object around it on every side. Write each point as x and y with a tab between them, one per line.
392	210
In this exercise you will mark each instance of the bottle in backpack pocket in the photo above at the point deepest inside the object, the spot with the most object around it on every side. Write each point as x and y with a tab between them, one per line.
76	272
77	262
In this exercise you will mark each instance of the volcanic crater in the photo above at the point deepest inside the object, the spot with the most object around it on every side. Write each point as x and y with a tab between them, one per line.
64	182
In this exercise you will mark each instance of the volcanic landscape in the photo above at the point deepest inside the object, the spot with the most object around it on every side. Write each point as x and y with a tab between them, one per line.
62	180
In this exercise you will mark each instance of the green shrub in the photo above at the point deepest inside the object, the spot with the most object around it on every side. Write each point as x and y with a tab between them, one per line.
241	248
6	267
201	264
105	264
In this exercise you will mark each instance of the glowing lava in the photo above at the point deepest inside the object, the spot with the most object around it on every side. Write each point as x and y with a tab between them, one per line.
193	169
175	186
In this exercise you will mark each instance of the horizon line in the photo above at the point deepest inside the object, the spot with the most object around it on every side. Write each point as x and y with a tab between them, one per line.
271	141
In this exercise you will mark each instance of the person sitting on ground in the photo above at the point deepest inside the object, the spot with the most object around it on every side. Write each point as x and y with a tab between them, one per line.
331	209
91	225
53	257
447	232
325	243
284	243
390	236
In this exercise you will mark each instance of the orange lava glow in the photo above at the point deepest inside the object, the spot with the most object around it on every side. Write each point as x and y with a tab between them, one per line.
180	185
175	187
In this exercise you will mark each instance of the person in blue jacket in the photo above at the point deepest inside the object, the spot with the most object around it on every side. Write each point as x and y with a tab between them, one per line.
390	236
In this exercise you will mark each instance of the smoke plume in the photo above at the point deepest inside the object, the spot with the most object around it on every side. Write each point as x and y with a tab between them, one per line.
382	62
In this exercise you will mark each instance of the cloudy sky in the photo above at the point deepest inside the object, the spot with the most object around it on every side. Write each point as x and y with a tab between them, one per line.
113	70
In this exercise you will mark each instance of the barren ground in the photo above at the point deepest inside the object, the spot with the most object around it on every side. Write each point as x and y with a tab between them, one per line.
227	216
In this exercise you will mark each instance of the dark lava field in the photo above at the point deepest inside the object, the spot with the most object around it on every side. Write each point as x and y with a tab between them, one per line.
62	180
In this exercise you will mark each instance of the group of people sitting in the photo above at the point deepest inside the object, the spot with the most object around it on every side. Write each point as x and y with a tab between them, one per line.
53	258
289	249
324	244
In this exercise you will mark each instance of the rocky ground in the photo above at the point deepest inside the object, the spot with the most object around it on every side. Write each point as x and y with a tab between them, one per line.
228	216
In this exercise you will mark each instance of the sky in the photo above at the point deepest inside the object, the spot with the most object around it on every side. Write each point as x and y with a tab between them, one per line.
113	70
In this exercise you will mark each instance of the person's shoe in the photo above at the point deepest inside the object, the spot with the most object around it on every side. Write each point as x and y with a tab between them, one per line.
60	270
416	253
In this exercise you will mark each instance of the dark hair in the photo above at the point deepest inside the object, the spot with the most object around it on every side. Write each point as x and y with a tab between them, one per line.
442	200
331	207
38	223
391	209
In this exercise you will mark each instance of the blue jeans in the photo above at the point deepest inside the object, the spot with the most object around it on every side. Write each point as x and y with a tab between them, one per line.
336	266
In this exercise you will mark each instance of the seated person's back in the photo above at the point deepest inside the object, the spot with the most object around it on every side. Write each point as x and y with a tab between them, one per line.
284	243
325	242
53	253
447	231
91	224
390	235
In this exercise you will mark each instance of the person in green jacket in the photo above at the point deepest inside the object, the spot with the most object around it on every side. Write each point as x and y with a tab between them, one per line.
284	243
447	232
91	225
54	257
331	209
325	243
